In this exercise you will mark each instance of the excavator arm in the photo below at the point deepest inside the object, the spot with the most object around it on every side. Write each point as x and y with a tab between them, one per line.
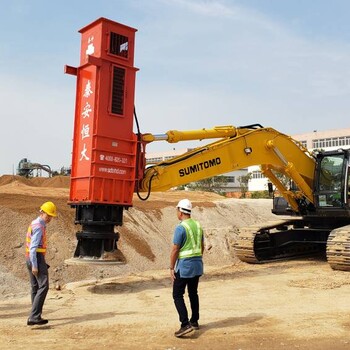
238	148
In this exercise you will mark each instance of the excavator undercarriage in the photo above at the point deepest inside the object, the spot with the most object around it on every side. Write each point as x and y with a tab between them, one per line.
287	239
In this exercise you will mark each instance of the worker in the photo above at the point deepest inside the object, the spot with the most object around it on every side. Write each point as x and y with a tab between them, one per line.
186	266
36	242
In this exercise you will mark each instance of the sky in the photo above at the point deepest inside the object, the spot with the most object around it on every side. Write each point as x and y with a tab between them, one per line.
202	63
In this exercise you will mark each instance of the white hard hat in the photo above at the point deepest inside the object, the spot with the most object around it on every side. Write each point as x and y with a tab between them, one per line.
185	206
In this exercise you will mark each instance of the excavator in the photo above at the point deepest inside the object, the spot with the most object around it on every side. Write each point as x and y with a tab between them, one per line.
109	166
316	198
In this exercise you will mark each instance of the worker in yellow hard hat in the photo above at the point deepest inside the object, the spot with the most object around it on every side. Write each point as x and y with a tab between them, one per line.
36	243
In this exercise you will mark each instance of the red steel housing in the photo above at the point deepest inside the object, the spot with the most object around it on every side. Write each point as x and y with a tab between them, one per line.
104	145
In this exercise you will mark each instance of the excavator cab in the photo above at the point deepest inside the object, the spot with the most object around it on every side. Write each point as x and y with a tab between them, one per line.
332	180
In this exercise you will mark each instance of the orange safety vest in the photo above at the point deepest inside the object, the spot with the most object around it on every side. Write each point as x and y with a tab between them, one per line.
42	247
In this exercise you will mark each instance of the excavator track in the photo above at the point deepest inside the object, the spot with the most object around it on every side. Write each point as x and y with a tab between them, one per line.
338	248
276	240
245	242
244	245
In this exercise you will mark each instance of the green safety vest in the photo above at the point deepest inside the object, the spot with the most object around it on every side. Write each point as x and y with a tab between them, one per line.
193	243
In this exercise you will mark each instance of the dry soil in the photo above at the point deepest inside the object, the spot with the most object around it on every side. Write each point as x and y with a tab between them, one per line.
296	304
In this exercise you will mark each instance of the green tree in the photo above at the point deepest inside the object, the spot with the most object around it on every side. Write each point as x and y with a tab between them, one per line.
211	184
243	184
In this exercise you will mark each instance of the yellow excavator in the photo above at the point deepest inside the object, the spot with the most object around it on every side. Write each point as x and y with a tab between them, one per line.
316	200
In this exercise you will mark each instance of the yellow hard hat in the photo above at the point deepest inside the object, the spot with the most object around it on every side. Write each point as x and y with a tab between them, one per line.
49	208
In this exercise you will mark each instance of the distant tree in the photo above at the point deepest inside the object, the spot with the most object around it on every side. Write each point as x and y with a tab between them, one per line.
211	184
284	179
260	194
243	184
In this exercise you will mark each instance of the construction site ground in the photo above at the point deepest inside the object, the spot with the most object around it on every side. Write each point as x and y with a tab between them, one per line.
295	304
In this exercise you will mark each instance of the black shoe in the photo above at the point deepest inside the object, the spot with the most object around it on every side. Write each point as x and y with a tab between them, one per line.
39	321
194	325
183	330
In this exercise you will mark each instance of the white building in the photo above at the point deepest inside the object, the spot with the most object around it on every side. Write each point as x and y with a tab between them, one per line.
325	140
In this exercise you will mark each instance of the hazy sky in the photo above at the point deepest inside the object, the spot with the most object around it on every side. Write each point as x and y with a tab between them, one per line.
281	63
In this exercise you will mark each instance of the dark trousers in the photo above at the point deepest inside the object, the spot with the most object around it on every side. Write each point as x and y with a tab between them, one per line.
39	286
178	296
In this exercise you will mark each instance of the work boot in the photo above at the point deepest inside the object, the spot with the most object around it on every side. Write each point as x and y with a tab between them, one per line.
39	321
194	325
183	330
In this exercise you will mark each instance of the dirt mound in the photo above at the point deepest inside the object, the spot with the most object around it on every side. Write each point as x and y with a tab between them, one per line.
145	235
8	179
56	181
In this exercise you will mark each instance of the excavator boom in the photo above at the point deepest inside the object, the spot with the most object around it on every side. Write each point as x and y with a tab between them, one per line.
243	147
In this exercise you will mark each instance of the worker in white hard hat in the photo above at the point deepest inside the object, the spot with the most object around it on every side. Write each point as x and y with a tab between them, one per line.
36	242
186	266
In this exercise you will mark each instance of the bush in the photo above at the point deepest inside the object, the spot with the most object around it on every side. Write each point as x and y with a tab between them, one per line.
260	194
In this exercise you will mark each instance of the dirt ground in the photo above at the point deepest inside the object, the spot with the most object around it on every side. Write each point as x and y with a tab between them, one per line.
296	304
